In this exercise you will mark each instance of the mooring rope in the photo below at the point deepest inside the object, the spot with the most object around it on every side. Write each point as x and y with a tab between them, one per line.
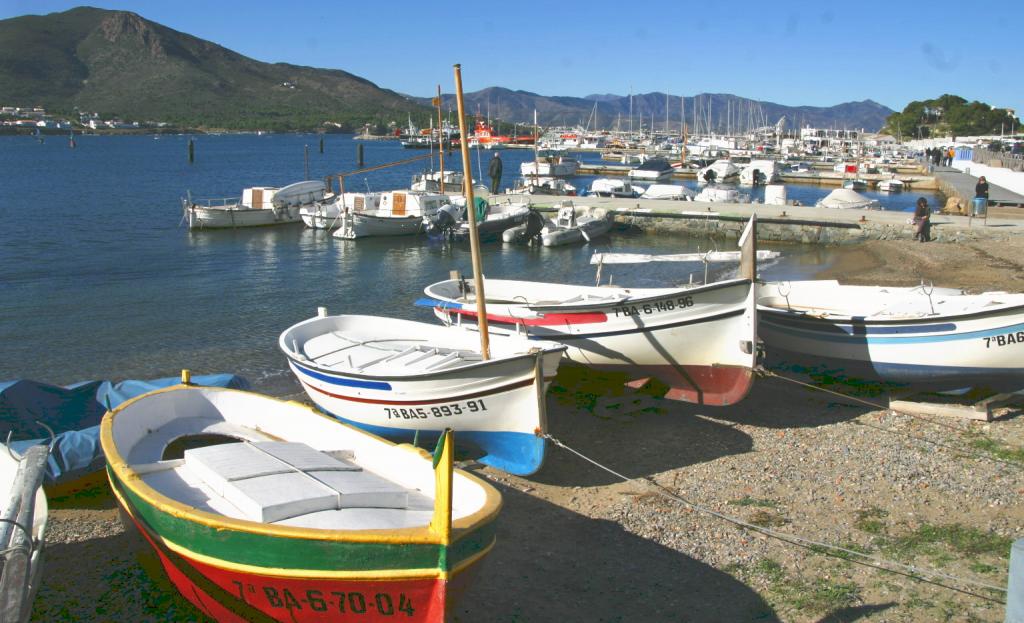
881	407
910	571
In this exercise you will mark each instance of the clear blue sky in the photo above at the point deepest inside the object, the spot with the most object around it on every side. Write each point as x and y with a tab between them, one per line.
816	53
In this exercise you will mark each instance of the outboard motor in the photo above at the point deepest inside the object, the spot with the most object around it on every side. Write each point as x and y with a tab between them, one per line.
445	221
534	225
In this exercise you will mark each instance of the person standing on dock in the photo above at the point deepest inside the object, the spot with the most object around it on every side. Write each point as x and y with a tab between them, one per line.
494	170
981	189
922	219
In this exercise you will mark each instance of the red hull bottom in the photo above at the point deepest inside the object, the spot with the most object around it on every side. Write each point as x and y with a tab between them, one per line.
704	385
230	596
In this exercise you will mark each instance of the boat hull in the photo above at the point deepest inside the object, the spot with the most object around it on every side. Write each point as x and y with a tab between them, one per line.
699	341
496	404
592	229
498	407
366	558
226	218
322	217
363	225
933	353
231	592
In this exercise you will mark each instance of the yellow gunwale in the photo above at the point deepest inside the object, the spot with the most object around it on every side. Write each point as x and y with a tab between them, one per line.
367	575
460	528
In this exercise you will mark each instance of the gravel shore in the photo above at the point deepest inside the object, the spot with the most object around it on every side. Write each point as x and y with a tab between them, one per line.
576	543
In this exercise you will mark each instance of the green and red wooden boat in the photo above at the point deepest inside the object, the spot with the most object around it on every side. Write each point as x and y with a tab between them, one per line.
265	510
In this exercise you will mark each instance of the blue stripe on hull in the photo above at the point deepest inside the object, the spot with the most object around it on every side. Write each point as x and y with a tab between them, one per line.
343	382
521	454
835	333
923	376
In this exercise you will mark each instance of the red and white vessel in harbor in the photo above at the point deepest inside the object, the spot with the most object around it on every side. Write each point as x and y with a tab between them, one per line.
484	136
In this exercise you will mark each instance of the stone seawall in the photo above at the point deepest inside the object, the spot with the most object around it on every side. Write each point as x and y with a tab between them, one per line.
724	227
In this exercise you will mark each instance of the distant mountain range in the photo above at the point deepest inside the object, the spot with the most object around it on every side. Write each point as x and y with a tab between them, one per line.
119	64
721	110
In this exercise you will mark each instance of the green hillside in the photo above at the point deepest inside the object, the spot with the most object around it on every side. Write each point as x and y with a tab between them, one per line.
119	64
950	115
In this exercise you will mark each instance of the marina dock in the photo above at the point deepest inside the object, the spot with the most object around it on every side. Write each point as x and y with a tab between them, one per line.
802	224
953	182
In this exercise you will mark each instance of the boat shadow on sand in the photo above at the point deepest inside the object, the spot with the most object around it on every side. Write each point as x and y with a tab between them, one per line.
638	435
551	564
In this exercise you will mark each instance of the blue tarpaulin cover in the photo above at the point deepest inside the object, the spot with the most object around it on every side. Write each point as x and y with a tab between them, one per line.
74	413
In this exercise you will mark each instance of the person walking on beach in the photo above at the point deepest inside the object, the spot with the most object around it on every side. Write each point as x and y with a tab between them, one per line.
494	170
922	220
981	189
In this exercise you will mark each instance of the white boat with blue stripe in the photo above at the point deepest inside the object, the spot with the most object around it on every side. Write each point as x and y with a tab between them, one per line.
398	377
935	338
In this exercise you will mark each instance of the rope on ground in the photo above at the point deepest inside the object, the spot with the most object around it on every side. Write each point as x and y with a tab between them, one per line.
881	407
911	571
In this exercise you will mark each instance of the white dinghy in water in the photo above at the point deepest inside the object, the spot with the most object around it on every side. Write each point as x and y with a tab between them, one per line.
570	227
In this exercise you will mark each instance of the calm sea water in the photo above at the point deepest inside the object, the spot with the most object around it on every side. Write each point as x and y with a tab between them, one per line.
98	279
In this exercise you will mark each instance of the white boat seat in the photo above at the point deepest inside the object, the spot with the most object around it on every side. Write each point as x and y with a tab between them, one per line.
275	481
151	447
391	356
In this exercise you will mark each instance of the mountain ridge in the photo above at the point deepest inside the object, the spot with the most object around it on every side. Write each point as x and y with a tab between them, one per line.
119	63
517	107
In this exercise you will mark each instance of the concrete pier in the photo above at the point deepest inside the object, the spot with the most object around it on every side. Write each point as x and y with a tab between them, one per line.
799	224
914	181
955	183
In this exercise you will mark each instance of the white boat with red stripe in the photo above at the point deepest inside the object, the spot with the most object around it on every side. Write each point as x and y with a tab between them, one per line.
398	377
701	341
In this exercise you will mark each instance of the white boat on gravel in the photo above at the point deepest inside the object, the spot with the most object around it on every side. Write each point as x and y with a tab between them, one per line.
395	377
937	338
399	213
258	206
327	214
668	191
24	517
846	199
570	227
700	341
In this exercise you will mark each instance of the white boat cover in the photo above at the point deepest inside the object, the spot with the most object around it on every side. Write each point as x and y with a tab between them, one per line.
846	199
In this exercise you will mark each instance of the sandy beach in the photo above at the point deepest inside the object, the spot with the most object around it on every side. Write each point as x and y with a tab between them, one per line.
578	544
